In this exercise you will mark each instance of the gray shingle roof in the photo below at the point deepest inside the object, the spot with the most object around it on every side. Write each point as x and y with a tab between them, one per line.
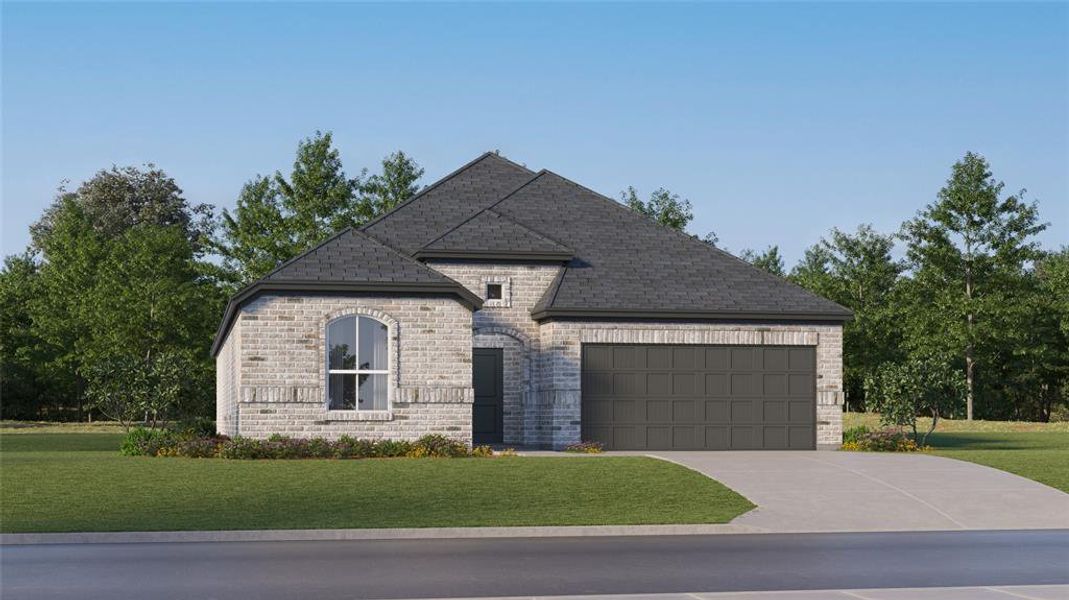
624	264
450	201
354	256
489	233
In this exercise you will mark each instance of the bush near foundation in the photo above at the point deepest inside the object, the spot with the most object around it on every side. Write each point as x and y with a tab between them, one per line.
168	443
862	439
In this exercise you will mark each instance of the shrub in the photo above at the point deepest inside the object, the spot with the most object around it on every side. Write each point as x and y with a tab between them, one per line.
437	446
585	448
392	448
141	441
854	434
884	440
195	448
482	452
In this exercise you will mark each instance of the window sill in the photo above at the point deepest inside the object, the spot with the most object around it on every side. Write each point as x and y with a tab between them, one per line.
359	415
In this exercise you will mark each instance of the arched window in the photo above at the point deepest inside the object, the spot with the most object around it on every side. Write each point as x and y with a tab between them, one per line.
358	364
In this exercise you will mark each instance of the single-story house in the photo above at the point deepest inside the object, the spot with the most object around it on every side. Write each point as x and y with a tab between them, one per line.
505	306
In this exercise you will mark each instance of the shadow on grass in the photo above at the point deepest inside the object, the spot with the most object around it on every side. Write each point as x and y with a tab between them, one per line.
1000	441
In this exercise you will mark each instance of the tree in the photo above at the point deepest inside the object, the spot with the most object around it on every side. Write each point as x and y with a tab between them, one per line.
857	271
277	218
769	260
919	386
123	197
149	310
396	183
101	255
966	253
663	207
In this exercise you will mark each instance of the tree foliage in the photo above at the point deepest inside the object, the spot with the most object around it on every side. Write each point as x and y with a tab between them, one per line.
918	386
857	271
278	217
967	254
663	207
769	260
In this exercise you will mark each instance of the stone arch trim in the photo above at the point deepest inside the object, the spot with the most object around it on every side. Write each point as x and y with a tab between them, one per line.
508	331
393	328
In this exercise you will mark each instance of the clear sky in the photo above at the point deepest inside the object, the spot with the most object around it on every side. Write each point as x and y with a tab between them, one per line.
778	121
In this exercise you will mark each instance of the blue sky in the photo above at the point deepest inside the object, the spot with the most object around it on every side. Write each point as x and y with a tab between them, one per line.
778	121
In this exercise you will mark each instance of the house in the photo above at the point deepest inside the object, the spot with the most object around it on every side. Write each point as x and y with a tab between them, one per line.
501	305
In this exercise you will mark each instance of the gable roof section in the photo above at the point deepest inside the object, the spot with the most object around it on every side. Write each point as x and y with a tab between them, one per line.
489	234
627	266
448	202
350	261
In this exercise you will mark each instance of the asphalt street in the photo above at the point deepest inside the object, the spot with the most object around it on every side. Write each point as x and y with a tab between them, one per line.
530	567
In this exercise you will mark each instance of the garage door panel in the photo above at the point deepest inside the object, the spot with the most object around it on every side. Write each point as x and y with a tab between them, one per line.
699	397
717	438
800	384
774	384
716	384
718	411
717	359
684	411
683	384
774	438
658	437
742	384
775	359
658	411
774	411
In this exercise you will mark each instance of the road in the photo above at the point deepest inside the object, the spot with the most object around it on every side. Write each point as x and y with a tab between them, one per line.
545	566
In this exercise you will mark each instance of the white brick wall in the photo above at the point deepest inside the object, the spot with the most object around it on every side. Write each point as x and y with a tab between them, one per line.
508	325
280	343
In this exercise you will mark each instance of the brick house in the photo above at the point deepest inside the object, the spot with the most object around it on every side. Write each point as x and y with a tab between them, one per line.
500	305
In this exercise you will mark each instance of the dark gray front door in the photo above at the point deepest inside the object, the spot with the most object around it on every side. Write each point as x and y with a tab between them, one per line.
660	397
488	414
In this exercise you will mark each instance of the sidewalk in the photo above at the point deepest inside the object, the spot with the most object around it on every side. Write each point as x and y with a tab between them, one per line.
1016	592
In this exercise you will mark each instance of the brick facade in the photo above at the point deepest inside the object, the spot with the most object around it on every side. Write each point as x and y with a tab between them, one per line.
271	371
277	348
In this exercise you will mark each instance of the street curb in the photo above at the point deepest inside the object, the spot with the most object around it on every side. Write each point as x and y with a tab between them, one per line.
310	535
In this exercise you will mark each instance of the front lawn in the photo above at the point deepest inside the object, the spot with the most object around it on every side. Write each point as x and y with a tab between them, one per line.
1040	456
1038	451
78	482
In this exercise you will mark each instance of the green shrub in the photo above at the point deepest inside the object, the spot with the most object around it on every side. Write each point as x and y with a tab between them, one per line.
392	448
482	452
585	448
141	441
437	446
854	434
884	440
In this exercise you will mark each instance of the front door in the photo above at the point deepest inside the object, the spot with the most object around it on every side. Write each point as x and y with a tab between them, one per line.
488	414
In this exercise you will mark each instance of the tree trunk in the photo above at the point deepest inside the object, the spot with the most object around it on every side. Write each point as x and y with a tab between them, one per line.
968	340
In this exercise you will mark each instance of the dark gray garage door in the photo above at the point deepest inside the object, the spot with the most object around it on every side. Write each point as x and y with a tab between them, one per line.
659	397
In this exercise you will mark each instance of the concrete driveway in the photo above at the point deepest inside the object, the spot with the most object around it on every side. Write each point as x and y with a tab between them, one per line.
853	491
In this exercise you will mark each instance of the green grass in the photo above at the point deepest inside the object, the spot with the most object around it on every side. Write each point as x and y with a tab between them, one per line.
1040	456
1038	451
79	482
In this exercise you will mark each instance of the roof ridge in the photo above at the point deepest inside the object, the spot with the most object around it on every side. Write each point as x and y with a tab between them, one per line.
691	239
484	209
421	193
526	228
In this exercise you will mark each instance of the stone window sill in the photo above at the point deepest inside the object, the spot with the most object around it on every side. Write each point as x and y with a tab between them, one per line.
359	415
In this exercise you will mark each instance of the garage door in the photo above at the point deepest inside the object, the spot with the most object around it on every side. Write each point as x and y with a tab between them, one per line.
660	397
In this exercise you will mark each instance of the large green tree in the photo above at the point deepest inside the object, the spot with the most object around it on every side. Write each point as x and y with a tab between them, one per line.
663	207
857	270
966	253
278	217
89	298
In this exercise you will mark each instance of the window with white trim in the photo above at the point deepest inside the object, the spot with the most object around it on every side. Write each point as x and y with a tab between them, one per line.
358	364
